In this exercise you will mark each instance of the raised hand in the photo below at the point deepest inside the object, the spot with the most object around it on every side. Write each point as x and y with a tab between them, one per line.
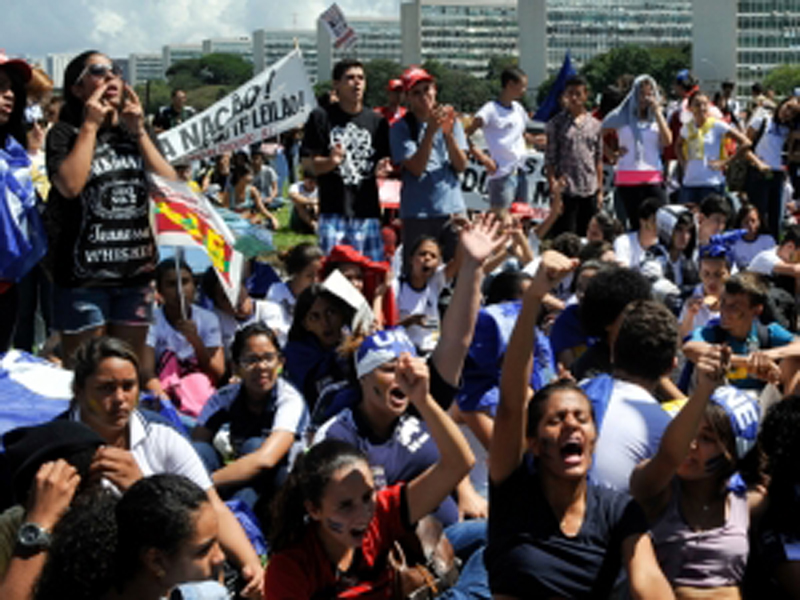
413	377
483	238
131	112
712	365
448	119
52	492
96	109
553	268
383	168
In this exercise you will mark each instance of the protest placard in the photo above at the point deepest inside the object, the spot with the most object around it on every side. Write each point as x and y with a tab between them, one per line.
342	34
182	218
276	100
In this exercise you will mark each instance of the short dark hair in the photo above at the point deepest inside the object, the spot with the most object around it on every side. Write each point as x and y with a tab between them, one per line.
647	340
506	286
92	352
607	294
175	92
714	204
610	227
576	81
568	244
344	65
300	256
649	208
252	330
593	251
511	75
792	235
751	284
540	398
169	264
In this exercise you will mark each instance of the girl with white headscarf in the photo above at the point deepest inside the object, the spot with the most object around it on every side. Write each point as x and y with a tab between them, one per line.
642	132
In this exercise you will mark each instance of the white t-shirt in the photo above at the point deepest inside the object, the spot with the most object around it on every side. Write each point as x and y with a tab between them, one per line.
161	336
704	315
504	129
698	173
299	188
631	432
158	448
770	146
764	262
421	302
629	251
650	160
744	251
276	311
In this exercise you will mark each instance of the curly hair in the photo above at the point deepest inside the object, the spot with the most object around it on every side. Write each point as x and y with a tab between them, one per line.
80	561
647	340
607	294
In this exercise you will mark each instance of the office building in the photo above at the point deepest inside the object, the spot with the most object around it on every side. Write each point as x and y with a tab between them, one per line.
145	67
172	53
270	45
55	65
461	34
242	45
377	38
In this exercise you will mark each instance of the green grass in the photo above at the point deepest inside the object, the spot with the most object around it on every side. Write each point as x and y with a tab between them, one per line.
284	237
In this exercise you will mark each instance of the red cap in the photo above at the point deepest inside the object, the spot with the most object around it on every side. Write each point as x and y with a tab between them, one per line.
395	85
22	68
413	75
524	211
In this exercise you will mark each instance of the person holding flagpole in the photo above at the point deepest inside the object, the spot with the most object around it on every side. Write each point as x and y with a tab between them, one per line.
103	250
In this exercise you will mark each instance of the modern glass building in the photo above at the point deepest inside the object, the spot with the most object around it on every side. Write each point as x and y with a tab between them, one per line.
145	67
173	53
241	45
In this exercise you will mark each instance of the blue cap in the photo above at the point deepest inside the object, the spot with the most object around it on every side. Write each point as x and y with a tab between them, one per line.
382	347
744	413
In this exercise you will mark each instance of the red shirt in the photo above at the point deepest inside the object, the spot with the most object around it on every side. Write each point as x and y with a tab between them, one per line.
391	115
303	571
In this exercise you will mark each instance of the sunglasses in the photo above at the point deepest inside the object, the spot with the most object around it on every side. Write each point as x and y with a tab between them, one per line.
99	70
40	122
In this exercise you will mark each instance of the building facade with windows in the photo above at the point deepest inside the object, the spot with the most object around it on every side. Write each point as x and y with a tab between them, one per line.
172	53
377	38
242	45
270	45
145	67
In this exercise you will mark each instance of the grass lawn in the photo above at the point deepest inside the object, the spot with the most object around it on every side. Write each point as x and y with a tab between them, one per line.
284	237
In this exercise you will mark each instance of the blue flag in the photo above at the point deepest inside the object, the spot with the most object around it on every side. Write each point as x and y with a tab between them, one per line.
550	105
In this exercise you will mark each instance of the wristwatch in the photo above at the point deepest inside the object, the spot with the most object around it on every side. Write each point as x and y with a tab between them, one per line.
32	539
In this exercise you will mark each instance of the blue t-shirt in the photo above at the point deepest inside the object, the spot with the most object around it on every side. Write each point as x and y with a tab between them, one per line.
714	334
408	452
437	192
528	556
567	331
481	375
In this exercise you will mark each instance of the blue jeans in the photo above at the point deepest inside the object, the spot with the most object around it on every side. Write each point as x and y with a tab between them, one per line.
266	483
505	190
468	539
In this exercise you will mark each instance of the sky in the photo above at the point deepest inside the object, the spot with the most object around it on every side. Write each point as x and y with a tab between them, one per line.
119	27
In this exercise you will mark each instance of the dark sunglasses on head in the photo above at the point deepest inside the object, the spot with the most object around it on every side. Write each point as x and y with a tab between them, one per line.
100	70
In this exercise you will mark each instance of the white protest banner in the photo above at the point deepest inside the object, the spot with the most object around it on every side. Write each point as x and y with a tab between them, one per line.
474	182
277	99
182	218
342	34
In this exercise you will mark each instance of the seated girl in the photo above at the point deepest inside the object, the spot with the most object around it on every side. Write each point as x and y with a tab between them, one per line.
183	341
243	197
265	415
677	233
755	238
333	531
312	362
302	263
551	532
699	524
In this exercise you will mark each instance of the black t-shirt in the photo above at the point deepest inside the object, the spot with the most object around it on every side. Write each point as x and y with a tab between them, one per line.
528	555
103	235
167	117
350	189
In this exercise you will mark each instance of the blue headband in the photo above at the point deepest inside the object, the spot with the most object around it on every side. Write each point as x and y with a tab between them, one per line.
380	348
744	413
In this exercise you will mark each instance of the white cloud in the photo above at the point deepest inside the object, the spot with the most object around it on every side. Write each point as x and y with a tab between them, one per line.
119	27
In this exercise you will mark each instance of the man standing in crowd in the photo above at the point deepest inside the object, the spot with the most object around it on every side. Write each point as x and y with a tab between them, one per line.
574	159
394	109
346	146
430	145
504	122
176	113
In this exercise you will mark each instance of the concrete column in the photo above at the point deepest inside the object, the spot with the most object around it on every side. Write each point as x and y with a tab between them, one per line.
532	16
324	52
259	60
411	32
714	42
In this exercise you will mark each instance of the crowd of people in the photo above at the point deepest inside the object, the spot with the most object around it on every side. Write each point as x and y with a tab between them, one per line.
598	401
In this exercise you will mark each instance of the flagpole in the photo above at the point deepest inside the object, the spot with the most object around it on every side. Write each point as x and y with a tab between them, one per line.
178	259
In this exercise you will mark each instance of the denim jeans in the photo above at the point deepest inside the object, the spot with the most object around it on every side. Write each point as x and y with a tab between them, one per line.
468	539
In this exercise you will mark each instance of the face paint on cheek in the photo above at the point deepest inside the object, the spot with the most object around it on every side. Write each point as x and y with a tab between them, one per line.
716	463
334	526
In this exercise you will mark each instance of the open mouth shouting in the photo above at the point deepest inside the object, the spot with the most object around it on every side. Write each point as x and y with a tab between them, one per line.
572	451
397	398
